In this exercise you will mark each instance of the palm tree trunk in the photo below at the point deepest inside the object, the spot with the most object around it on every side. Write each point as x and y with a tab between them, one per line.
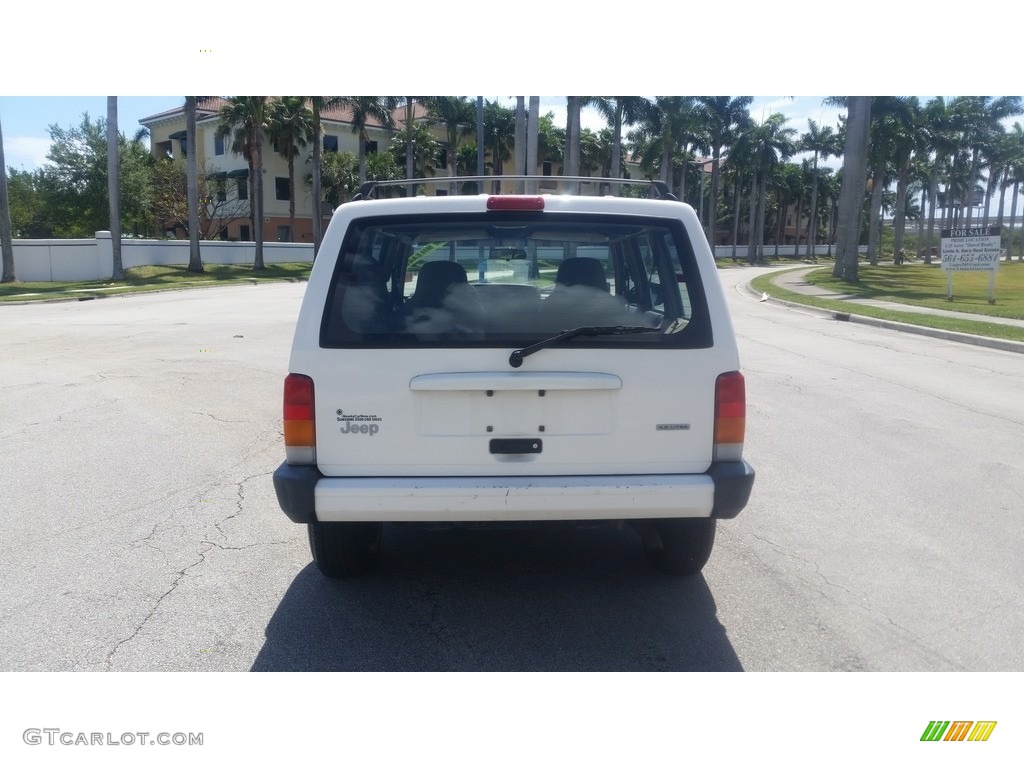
1013	218
616	169
812	230
195	261
258	188
900	219
114	186
969	200
6	239
572	141
532	139
409	112
851	194
875	208
318	224
762	194
752	221
716	173
291	194
736	217
519	142
833	209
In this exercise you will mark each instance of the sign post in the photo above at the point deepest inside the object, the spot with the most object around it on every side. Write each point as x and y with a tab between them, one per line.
971	249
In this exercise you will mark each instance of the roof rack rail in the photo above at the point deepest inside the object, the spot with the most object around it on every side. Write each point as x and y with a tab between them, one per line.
659	190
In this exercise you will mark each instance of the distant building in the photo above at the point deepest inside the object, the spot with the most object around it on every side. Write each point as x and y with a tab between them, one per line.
230	171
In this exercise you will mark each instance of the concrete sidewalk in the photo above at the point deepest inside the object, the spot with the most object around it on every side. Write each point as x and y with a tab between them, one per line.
795	280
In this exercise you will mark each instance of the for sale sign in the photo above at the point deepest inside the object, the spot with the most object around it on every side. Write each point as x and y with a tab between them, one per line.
970	249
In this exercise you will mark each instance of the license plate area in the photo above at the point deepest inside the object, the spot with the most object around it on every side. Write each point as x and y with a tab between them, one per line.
516	445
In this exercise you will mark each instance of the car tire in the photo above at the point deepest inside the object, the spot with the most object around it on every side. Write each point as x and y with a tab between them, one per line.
682	546
342	550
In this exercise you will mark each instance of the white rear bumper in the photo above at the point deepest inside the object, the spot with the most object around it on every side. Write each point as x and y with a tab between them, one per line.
474	499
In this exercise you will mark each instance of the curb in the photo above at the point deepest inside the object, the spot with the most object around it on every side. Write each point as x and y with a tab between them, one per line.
892	325
210	284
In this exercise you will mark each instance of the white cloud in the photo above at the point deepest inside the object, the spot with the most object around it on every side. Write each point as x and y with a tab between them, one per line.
25	153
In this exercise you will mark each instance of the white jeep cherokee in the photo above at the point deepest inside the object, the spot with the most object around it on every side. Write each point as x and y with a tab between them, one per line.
507	357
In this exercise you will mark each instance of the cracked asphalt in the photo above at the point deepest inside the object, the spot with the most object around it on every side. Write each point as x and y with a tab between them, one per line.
141	531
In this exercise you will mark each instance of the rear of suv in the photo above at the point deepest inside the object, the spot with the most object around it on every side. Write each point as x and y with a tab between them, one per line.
503	358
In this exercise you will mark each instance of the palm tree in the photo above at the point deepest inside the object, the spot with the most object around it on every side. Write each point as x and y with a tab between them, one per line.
409	102
735	174
851	193
619	111
572	138
980	117
940	141
317	105
364	111
764	145
789	182
195	260
1015	175
425	148
823	142
245	118
6	240
829	182
908	144
499	135
667	134
532	137
114	187
893	133
723	118
291	129
458	116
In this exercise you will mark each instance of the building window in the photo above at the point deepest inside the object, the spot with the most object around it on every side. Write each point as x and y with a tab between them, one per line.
371	147
184	147
243	232
223	233
243	189
220	190
547	168
442	156
284	233
330	143
218	145
281	188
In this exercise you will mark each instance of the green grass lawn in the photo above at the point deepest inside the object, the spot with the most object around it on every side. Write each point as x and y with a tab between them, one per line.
152	278
924	286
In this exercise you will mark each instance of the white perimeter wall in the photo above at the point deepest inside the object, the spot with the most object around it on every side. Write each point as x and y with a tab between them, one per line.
72	260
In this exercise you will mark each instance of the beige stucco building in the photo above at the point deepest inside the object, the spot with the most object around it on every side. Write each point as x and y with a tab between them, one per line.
229	194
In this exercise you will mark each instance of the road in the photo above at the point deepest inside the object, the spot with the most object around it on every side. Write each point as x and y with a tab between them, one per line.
141	531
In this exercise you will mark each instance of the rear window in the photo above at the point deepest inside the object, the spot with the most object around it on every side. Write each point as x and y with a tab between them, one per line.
514	279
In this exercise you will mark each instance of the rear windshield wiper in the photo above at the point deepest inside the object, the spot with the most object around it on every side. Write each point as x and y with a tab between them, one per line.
516	358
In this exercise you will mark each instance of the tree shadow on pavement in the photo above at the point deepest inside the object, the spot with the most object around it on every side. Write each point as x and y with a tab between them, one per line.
511	600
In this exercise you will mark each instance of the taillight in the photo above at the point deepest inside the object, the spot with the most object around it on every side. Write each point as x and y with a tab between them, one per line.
299	420
730	416
515	203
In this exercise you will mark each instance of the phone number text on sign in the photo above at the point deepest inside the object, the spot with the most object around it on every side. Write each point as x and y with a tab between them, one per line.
978	253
